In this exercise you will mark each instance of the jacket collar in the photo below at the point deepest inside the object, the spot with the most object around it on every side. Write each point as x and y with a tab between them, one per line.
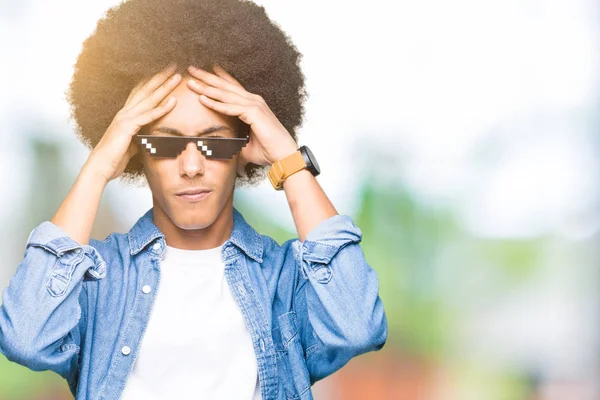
243	235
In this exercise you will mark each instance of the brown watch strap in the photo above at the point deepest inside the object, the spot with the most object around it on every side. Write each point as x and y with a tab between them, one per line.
282	169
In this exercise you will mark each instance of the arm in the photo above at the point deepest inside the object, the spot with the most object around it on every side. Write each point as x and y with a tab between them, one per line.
77	213
342	296
308	202
41	307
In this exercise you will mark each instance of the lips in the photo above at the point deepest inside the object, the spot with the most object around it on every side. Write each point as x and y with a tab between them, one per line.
193	191
194	195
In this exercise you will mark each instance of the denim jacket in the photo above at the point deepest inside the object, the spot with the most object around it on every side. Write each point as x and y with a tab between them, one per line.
80	310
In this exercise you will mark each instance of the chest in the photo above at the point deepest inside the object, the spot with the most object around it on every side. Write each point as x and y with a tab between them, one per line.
140	310
194	310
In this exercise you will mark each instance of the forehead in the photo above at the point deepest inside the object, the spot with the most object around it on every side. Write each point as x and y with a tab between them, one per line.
189	115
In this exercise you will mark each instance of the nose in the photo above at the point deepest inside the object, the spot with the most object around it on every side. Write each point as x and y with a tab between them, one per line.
191	160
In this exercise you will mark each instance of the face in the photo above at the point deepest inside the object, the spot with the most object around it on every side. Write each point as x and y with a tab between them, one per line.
191	170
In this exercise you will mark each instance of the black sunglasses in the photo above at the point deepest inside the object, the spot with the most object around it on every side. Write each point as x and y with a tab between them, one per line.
171	146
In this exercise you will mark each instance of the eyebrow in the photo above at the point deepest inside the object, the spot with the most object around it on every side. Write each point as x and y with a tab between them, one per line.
177	132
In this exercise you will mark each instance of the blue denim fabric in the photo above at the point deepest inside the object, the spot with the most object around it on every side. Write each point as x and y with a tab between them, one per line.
76	309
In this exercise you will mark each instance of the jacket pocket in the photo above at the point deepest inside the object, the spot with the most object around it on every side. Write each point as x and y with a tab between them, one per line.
291	360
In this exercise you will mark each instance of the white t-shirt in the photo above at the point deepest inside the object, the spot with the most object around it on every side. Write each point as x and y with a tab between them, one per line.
196	344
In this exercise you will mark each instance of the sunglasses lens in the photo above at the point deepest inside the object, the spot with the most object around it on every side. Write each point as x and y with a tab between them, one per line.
171	147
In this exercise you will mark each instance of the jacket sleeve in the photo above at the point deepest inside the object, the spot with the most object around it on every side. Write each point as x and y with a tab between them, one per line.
342	296
41	307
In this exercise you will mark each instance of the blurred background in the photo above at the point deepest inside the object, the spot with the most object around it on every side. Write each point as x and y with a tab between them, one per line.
463	139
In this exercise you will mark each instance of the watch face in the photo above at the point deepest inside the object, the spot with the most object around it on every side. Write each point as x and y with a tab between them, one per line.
311	162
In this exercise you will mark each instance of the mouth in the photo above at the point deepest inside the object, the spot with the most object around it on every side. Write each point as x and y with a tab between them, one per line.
194	195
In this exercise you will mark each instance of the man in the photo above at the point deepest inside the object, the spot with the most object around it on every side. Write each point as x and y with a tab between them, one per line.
192	301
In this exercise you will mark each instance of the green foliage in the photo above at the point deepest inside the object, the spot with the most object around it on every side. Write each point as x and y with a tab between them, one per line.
401	238
20	383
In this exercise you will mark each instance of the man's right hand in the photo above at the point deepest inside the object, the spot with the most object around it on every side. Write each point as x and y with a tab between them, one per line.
146	103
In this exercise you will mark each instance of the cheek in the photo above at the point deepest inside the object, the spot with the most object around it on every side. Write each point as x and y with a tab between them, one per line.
156	171
225	170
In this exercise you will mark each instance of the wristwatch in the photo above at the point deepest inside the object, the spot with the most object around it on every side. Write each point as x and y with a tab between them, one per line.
281	169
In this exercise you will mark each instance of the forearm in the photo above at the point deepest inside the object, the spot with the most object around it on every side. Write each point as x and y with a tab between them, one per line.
308	202
77	213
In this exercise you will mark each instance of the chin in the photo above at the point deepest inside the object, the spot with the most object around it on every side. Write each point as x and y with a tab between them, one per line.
193	219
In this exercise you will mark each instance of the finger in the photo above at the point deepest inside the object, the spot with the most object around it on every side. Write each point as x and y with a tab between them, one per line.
155	113
225	75
145	81
151	84
224	108
157	80
158	95
219	94
134	90
216	81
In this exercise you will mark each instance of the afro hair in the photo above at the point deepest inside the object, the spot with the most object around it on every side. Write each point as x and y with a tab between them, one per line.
137	38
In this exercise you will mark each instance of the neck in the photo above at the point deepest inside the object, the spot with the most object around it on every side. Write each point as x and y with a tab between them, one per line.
206	238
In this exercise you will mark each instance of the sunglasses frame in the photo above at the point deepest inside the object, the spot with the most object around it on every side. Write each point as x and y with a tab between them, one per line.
222	146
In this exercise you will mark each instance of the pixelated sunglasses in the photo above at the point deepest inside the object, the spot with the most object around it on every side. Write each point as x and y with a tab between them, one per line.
171	146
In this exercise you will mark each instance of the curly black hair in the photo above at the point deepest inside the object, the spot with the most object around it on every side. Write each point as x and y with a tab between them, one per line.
137	38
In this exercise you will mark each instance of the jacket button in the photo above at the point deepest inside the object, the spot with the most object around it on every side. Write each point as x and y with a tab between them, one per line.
156	246
146	289
126	350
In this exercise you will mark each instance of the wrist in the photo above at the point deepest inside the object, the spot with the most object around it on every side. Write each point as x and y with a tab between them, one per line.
285	151
89	173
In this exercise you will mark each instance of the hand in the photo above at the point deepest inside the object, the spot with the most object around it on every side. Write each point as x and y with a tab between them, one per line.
114	150
269	140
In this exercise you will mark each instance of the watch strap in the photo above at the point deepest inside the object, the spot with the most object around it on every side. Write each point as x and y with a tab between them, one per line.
282	169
